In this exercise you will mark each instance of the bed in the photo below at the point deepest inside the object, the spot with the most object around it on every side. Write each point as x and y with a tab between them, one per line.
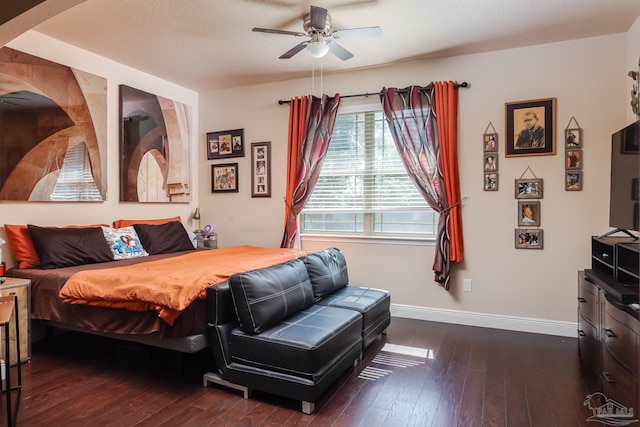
133	298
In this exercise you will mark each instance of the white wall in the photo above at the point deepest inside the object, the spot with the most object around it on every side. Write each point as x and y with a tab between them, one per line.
48	213
588	78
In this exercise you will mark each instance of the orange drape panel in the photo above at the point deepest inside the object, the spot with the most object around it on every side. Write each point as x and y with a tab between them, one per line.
447	118
298	127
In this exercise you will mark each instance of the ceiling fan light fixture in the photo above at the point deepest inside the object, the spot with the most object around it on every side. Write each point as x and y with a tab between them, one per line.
317	49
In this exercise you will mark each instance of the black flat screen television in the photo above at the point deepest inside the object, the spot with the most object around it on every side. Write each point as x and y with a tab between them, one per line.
624	203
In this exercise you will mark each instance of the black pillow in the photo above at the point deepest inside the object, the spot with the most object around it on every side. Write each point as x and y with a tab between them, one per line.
327	271
265	296
164	238
66	247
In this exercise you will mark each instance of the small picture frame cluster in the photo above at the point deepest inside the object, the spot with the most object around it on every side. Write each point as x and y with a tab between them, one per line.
225	144
490	161
573	159
261	169
529	192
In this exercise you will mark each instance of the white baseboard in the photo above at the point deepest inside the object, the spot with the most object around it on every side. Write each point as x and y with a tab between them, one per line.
511	323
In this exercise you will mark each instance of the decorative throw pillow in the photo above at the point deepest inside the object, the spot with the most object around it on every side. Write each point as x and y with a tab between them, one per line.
119	223
164	238
66	247
22	247
124	242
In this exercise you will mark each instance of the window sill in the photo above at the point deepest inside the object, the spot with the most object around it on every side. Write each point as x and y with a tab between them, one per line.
374	240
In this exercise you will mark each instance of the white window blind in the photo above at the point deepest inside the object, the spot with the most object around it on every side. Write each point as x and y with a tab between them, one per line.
75	181
363	186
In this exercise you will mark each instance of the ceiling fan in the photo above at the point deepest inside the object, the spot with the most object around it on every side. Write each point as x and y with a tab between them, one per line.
317	26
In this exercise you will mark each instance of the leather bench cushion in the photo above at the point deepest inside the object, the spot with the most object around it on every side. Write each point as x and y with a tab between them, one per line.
265	296
327	271
372	303
302	344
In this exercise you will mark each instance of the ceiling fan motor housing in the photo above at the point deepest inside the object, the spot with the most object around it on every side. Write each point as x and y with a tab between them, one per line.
308	28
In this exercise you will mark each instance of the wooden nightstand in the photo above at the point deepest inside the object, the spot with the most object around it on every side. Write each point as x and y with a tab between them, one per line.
22	289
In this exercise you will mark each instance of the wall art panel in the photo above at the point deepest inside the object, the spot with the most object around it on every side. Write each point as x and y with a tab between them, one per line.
53	133
154	148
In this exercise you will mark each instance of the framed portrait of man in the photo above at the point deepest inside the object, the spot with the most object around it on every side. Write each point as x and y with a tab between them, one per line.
530	128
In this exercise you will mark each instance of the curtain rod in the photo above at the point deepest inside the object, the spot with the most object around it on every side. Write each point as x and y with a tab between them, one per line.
456	84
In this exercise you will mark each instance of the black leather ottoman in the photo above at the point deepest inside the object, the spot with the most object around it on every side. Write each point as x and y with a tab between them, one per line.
373	304
303	343
330	279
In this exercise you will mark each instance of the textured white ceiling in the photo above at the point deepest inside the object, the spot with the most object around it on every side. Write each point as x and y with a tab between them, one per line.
208	44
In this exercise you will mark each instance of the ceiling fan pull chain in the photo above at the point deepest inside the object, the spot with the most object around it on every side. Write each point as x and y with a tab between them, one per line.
321	80
313	76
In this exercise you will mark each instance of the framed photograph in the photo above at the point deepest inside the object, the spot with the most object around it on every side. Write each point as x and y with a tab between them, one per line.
528	238
490	143
490	181
530	127
225	144
224	178
529	188
261	169
529	213
573	159
573	181
573	138
491	162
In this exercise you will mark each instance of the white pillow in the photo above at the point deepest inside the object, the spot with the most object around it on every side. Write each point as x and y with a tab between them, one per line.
124	242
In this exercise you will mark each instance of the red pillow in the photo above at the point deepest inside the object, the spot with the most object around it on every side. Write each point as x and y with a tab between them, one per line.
119	223
22	247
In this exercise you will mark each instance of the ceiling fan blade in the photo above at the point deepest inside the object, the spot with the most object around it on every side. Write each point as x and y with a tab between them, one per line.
318	17
339	51
354	33
270	31
297	48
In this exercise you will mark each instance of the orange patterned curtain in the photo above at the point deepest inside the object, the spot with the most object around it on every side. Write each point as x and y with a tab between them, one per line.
311	122
423	123
447	119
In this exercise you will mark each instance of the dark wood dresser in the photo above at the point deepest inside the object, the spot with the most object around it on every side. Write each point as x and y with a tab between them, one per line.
609	320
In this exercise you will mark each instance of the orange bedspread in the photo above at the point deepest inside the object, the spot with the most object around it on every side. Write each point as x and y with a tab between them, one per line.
168	286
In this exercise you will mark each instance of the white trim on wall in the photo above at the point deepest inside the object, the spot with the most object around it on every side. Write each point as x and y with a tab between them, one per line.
511	323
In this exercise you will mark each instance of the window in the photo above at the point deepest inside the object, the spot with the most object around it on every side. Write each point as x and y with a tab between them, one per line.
363	188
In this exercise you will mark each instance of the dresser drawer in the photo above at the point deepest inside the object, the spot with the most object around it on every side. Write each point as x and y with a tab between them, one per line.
588	300
618	384
620	342
587	342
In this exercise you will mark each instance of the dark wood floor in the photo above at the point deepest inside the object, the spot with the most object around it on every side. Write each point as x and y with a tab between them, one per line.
473	377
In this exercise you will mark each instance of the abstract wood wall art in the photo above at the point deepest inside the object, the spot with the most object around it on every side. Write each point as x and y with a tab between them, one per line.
154	148
53	133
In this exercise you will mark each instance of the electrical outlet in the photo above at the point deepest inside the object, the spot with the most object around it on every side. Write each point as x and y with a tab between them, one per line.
466	285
